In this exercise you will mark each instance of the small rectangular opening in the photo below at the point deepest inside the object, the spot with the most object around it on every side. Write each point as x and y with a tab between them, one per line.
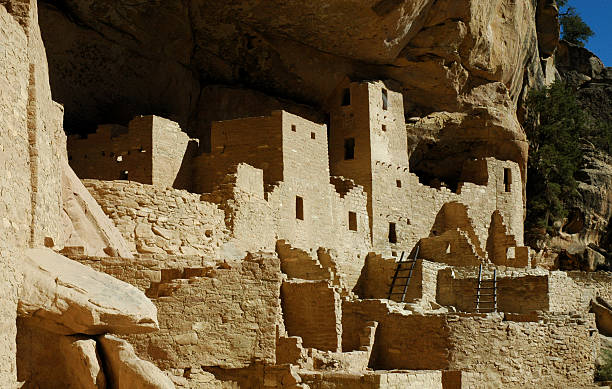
385	100
398	183
299	208
313	135
392	233
352	221
507	179
349	148
293	128
346	97
124	175
384	127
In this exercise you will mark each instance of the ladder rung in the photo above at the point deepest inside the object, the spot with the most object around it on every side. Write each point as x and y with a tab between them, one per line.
486	287
485	302
397	293
486	294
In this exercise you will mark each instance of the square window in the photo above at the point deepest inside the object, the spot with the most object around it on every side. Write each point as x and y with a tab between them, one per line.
507	179
384	127
299	208
346	97
392	233
293	128
385	100
313	135
349	148
352	221
398	183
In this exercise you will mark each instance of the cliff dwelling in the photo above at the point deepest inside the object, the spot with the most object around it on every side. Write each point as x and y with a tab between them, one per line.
281	213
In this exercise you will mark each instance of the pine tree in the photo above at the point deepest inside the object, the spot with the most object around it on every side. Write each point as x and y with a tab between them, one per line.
573	28
555	125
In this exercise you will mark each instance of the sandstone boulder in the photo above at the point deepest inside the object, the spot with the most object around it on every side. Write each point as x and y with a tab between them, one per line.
66	297
83	362
126	370
86	225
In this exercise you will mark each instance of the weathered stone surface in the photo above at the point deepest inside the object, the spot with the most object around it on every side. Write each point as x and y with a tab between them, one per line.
83	362
126	370
86	224
66	297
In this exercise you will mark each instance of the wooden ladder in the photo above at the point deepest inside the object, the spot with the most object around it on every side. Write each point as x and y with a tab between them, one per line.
489	297
399	270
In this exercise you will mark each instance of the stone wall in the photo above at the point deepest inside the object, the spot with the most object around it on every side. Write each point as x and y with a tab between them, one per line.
312	311
255	141
223	316
520	293
554	351
151	150
375	380
403	340
31	144
156	220
416	208
15	188
512	350
47	143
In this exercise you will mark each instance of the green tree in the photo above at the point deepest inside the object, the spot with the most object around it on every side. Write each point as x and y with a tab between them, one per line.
555	124
573	28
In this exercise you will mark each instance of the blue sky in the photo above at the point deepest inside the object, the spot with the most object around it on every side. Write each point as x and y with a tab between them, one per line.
598	15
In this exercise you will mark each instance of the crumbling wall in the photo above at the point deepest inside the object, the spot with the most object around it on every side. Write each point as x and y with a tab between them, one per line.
155	220
312	311
223	316
553	351
112	150
398	192
248	216
452	247
403	340
255	141
377	275
580	288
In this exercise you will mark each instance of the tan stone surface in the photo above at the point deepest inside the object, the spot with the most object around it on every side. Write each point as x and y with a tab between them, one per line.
65	297
48	360
83	361
312	310
126	370
223	316
86	224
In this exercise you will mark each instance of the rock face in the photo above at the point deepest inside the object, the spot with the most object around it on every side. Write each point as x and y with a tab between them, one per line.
66	297
83	359
470	56
126	370
87	228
